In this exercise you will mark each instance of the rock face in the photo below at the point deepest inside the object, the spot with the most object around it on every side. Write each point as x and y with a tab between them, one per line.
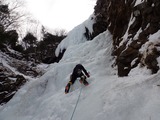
9	83
131	25
18	61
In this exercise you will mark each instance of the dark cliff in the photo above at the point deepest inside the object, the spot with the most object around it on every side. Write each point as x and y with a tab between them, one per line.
131	25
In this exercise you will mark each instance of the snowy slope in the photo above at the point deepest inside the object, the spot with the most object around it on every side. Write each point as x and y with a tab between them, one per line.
108	97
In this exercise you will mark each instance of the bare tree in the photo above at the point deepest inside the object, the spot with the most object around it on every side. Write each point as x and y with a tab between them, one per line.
11	14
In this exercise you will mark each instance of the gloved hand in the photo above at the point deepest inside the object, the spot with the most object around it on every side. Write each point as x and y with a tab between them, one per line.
88	75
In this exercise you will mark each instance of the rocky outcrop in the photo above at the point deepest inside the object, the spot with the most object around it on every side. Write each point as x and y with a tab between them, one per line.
12	70
9	83
20	63
131	25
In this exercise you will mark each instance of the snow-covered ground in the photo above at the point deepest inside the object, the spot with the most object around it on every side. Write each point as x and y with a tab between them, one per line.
108	97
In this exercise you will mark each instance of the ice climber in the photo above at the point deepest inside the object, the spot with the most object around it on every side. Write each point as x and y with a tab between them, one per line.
78	71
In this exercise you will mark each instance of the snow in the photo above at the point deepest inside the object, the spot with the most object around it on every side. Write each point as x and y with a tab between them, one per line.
155	37
137	34
108	97
138	2
76	36
125	36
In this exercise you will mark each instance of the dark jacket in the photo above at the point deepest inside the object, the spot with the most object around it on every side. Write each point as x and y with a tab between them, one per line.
78	71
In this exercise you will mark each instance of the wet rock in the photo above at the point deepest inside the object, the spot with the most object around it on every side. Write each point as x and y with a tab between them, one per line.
129	38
